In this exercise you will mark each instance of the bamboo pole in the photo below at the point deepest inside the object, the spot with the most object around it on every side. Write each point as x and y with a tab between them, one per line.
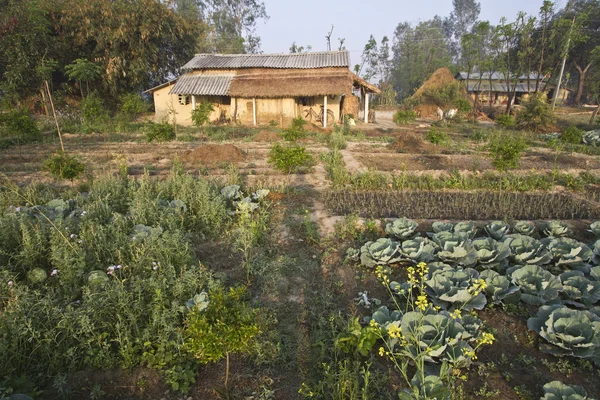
62	147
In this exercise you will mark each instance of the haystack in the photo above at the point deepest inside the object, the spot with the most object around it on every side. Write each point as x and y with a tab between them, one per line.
438	82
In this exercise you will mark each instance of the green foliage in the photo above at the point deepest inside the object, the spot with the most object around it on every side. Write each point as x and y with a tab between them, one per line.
536	113
290	158
160	132
449	95
93	110
526	250
568	332
557	390
538	286
295	131
336	140
505	150
492	254
497	229
436	136
402	117
506	121
62	166
381	252
557	229
82	70
201	115
17	124
450	288
499	289
227	325
572	135
132	105
401	228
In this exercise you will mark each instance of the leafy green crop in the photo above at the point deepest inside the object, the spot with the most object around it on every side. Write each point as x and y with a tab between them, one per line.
579	290
381	252
418	249
568	254
524	228
497	229
537	285
526	250
568	332
557	229
401	228
557	390
492	254
499	289
454	288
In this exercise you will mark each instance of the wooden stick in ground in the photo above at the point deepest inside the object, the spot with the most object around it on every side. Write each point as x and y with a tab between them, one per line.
62	147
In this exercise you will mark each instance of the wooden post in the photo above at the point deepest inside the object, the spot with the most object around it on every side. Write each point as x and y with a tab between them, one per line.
325	112
254	109
281	112
366	107
193	102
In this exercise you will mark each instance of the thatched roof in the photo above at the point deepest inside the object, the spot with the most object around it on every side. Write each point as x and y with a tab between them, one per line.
296	83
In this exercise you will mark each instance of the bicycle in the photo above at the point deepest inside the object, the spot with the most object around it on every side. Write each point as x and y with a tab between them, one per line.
309	114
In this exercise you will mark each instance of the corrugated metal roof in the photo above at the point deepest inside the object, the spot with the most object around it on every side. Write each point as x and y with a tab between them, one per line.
202	85
500	87
495	76
296	60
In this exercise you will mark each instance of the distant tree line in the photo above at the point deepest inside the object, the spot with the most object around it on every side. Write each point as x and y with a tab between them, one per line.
114	46
462	42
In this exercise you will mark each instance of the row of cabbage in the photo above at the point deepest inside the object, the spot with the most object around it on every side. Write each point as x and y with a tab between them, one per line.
590	138
462	271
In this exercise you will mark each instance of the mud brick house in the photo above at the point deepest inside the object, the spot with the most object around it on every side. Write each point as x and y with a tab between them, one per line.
257	89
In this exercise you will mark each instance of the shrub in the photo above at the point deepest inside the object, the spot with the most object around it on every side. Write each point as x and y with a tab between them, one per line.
452	94
295	131
160	132
436	136
506	121
572	135
132	105
336	139
62	166
19	123
536	113
290	158
505	151
93	110
404	116
200	116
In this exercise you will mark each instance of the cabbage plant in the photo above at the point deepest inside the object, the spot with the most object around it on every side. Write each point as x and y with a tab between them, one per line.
499	289
524	228
178	205
592	138
418	249
383	251
537	285
37	275
454	288
595	228
557	229
463	254
232	192
596	252
497	229
443	237
568	254
579	290
466	227
440	226
97	278
568	332
435	336
384	317
431	387
260	194
557	390
526	250
402	228
492	254
142	232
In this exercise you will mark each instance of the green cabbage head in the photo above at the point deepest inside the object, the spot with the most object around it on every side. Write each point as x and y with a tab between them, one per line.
557	229
524	228
418	249
579	290
466	227
499	289
537	285
497	229
557	390
453	288
492	254
568	332
526	250
402	228
383	251
568	254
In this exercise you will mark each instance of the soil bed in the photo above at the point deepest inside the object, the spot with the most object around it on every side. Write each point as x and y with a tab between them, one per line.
213	154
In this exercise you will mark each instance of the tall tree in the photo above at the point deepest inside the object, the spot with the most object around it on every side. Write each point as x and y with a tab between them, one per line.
461	21
417	52
232	25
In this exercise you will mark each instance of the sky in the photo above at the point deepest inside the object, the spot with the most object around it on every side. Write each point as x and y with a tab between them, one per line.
307	22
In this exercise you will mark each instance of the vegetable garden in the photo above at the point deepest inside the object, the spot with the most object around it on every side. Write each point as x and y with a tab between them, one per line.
306	277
